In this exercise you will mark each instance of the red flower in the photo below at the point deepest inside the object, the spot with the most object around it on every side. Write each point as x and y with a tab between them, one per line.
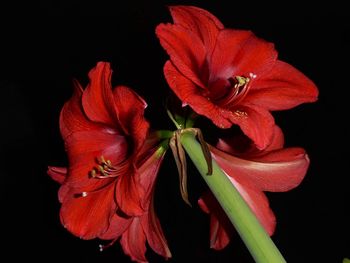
135	230
229	76
103	130
252	172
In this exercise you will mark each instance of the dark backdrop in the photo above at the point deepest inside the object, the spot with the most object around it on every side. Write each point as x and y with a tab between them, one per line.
45	44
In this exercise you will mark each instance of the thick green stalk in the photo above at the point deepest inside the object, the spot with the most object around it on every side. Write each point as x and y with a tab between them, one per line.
252	233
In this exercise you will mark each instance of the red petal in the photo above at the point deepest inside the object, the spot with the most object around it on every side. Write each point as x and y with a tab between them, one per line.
228	46
276	171
186	51
63	192
277	140
88	217
147	173
154	233
133	241
128	194
130	107
219	238
283	87
200	22
151	143
255	122
255	199
85	147
116	227
259	204
57	173
203	206
188	92
72	118
219	223
98	102
238	53
242	146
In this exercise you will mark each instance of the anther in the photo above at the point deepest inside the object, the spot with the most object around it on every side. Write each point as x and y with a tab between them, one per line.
103	169
82	194
252	75
240	113
101	247
104	247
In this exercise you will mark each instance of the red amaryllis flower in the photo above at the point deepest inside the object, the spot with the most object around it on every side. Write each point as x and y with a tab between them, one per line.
229	76
133	231
253	171
103	130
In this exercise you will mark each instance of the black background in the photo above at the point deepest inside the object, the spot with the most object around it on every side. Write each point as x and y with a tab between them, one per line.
45	44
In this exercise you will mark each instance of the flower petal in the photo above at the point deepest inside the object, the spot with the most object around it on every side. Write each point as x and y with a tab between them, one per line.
219	238
229	44
147	173
188	92
128	194
63	192
277	141
116	228
72	118
57	173
84	148
219	223
130	107
154	233
133	241
88	216
97	100
239	53
200	22
259	204
186	52
276	171
255	122
282	88
242	146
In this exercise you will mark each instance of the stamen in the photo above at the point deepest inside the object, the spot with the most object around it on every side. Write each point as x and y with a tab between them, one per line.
104	169
252	75
240	113
238	90
104	247
82	194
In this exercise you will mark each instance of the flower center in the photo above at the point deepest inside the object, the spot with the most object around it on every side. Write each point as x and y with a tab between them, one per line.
105	169
237	90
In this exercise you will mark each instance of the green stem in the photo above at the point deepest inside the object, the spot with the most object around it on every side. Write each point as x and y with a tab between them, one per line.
173	119
191	118
164	134
258	242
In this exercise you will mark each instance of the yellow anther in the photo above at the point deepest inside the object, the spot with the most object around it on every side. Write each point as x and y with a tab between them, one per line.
241	81
93	172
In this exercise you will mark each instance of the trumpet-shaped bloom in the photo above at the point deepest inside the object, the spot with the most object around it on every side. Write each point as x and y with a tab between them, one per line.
230	76
135	231
252	172
104	131
132	231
